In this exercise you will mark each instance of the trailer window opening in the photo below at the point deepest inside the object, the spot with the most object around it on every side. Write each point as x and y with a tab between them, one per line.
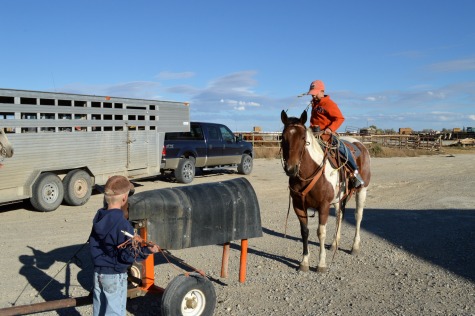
107	105
47	116
46	101
131	107
64	116
9	100
31	101
95	104
28	116
80	103
118	105
64	103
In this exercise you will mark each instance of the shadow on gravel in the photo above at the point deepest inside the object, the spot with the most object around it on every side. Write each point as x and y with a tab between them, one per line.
442	237
292	263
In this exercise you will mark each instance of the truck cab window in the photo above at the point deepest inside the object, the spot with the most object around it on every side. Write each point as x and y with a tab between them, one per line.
227	135
213	133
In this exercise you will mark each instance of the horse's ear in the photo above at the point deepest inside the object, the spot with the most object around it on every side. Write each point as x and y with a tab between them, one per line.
303	117
283	117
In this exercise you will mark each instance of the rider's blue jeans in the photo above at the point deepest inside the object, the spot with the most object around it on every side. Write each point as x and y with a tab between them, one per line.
346	153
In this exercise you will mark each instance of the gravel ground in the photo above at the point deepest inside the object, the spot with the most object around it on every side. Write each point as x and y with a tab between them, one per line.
417	255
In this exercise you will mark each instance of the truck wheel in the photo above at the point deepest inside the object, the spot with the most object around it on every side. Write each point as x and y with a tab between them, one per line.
245	167
47	193
185	172
189	295
77	187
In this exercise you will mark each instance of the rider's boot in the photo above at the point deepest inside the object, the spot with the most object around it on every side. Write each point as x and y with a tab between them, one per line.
356	180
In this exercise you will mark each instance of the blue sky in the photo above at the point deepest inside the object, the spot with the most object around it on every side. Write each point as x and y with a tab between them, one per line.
386	63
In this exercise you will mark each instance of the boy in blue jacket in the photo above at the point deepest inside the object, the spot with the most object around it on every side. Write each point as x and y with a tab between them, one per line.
110	262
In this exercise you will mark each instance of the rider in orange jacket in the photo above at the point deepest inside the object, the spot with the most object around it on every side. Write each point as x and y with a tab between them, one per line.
327	117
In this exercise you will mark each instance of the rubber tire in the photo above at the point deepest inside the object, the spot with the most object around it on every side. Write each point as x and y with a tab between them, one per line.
174	297
52	187
136	271
185	172
77	187
245	167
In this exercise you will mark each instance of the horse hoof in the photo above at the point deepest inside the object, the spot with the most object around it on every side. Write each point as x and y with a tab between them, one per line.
303	268
321	269
355	251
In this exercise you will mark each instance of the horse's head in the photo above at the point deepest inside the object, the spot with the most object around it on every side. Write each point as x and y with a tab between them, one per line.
293	142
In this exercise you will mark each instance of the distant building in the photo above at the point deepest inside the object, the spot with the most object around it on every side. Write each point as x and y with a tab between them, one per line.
405	130
367	131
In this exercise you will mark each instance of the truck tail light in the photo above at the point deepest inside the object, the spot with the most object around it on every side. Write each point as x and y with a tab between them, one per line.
164	151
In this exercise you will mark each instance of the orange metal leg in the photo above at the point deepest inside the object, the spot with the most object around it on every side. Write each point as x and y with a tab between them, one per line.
148	276
243	263
225	260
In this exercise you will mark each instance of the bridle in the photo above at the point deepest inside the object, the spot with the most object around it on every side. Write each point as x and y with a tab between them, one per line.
302	151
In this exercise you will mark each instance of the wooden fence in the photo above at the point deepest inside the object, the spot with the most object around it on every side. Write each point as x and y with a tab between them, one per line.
429	142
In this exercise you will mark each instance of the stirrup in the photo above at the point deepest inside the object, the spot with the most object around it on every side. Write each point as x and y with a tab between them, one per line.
357	181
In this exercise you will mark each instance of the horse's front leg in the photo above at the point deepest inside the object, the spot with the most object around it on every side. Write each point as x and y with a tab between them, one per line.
303	219
322	234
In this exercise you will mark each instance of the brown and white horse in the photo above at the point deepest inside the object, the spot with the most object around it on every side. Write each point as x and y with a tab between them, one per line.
314	183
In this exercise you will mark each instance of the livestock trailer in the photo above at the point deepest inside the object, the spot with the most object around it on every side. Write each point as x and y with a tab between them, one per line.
65	143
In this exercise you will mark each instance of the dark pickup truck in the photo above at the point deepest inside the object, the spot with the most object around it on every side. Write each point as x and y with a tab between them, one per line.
206	145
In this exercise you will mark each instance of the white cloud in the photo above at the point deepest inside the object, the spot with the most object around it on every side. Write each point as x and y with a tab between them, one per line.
454	65
168	75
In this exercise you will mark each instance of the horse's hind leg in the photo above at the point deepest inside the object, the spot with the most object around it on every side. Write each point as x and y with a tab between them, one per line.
339	216
360	203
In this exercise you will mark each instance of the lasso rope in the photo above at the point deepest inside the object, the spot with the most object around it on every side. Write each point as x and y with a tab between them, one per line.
135	242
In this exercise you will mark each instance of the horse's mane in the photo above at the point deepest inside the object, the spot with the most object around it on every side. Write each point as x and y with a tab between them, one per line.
314	148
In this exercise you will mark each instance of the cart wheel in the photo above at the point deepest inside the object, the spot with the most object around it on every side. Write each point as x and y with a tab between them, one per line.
77	187
191	295
47	193
135	271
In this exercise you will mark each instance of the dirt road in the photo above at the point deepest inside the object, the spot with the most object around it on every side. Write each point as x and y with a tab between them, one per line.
417	257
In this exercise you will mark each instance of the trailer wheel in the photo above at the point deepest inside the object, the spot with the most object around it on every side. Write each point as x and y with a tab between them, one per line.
191	295
77	187
185	172
47	192
245	167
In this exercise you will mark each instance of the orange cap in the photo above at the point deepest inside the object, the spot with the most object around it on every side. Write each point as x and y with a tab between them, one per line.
316	87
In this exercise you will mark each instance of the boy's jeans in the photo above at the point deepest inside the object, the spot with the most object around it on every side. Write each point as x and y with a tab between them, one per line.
110	294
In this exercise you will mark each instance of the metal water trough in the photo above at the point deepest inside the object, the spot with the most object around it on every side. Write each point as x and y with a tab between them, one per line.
177	218
198	215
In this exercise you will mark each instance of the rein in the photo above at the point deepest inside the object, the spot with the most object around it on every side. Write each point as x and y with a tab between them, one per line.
313	178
